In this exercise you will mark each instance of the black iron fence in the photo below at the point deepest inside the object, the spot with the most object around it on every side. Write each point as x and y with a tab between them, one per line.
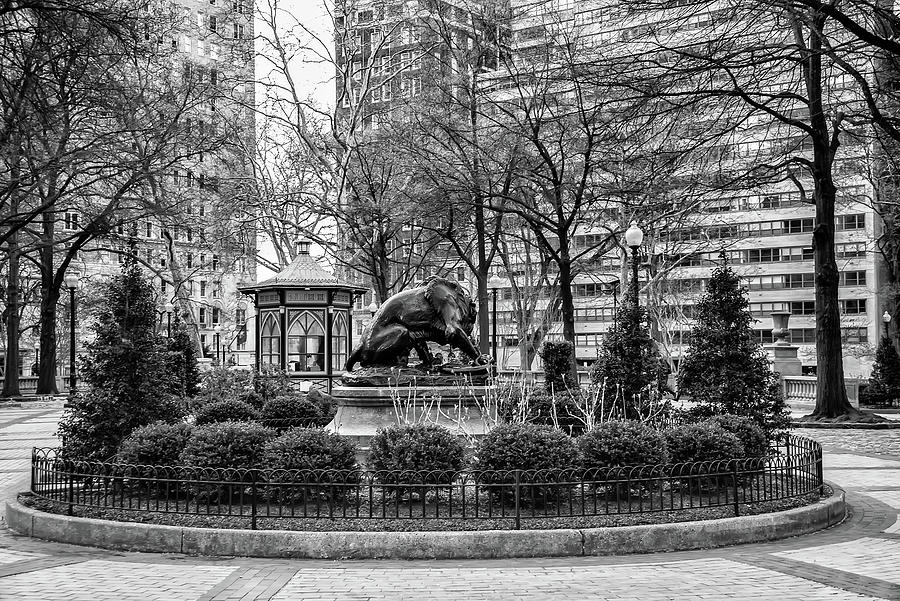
793	469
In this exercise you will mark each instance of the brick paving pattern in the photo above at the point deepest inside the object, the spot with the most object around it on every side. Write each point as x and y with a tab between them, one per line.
854	560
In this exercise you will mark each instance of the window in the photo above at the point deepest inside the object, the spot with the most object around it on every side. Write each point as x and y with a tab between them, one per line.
799	280
850	222
216	314
190	260
853	306
215	262
461	274
854	335
202	288
162	287
212	22
240	315
853	278
149	229
798	226
70	220
270	341
202	316
306	343
339	340
851	250
803	308
213	76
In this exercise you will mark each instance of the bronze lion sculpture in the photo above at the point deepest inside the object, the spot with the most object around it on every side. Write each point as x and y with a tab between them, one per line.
439	310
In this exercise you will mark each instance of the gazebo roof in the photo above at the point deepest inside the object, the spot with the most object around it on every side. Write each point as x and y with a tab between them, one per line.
303	272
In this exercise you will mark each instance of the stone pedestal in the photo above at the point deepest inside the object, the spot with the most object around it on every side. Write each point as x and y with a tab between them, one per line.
784	358
362	410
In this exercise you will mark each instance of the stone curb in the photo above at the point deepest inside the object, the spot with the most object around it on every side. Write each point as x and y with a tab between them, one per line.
486	544
892	425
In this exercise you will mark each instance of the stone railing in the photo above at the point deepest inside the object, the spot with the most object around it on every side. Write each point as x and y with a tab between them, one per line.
28	385
803	389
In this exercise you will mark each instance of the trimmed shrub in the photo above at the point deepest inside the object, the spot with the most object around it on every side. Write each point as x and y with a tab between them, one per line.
622	443
289	411
528	447
416	448
310	449
157	444
702	442
226	410
232	444
558	358
747	431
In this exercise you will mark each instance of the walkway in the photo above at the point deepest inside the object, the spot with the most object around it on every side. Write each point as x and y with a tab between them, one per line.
859	559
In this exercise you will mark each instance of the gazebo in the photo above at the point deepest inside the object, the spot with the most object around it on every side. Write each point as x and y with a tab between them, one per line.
304	320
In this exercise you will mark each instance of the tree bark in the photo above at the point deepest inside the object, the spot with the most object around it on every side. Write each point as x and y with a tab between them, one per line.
11	373
831	395
49	298
567	301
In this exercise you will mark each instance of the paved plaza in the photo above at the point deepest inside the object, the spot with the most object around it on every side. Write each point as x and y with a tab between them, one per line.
859	559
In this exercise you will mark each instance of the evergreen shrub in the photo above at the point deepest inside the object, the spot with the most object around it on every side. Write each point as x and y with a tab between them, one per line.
236	445
309	449
884	383
526	447
629	373
701	442
747	431
725	369
125	372
159	444
291	410
330	457
226	410
416	448
622	443
559	368
541	451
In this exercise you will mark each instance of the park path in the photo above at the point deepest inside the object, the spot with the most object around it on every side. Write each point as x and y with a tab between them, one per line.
859	559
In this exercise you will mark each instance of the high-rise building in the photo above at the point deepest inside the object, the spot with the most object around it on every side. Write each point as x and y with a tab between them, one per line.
195	247
764	231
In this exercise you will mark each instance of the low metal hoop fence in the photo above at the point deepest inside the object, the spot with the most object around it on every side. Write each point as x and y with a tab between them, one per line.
793	469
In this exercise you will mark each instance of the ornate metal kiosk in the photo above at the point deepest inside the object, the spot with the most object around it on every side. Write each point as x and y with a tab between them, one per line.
304	321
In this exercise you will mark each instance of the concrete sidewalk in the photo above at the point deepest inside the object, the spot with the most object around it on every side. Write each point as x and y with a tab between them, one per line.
856	560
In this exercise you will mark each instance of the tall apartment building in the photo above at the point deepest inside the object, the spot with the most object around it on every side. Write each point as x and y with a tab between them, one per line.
394	54
195	249
765	231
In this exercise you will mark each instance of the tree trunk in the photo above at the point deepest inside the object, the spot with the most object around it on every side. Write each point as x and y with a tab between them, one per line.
11	374
484	346
49	298
831	395
567	301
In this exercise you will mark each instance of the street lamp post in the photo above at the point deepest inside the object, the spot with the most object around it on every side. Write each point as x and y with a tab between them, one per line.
71	281
494	284
886	318
168	308
634	236
217	330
